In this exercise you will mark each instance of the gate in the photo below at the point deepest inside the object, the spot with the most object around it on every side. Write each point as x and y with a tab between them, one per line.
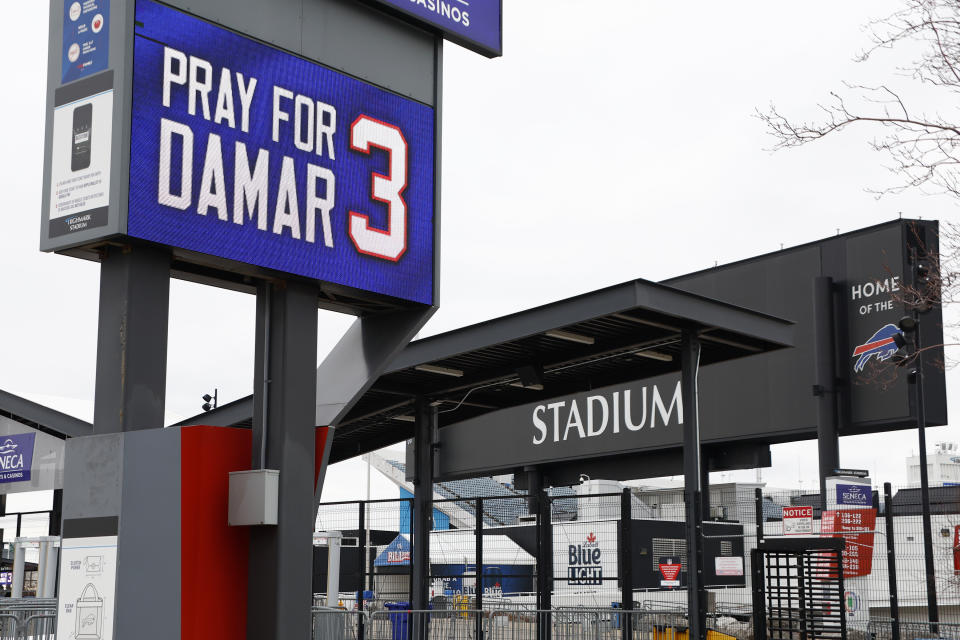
799	590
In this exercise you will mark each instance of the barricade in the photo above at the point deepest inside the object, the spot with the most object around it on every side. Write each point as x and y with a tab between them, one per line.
28	618
335	624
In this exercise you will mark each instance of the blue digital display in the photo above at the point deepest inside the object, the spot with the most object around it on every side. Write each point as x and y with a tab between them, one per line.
476	24
249	153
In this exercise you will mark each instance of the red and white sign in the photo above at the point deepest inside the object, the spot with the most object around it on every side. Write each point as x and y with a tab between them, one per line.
856	526
798	521
671	575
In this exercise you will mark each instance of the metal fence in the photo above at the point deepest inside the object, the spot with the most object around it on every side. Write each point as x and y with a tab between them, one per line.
490	554
28	619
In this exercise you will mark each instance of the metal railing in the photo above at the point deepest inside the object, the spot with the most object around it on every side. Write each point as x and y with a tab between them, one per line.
28	619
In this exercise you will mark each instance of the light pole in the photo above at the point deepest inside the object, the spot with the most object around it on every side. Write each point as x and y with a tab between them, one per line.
207	399
911	325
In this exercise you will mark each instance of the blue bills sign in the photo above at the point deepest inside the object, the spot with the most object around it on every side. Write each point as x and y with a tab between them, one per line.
16	457
475	24
251	154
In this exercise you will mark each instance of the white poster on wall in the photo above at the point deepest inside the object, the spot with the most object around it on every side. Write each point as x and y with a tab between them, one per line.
88	577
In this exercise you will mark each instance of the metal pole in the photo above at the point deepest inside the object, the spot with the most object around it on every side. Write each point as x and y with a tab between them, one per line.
19	560
50	583
42	566
132	330
546	551
361	559
891	563
423	503
696	600
924	480
758	504
828	442
333	567
284	420
626	564
478	565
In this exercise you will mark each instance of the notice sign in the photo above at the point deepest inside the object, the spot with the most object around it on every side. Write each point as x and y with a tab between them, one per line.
856	526
254	155
16	457
670	572
728	566
798	521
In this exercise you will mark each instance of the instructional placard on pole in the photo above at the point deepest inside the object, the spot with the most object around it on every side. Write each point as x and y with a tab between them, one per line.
88	578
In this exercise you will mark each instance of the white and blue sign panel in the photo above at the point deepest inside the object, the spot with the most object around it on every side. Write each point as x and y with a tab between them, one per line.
16	457
251	154
86	38
475	24
854	495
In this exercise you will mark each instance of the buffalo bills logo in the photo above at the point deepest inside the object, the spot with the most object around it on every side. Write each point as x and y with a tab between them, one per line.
882	344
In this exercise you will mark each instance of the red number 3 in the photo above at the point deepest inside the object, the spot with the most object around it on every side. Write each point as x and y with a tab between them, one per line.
366	132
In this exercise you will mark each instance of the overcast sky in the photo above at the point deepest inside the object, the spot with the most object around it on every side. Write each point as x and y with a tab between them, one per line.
612	141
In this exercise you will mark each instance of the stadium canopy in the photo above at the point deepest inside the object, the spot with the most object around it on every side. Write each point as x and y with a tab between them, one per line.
618	334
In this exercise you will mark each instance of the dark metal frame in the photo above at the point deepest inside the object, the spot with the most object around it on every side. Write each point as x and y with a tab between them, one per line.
798	589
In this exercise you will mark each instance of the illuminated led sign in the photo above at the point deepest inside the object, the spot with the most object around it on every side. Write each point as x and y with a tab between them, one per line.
245	152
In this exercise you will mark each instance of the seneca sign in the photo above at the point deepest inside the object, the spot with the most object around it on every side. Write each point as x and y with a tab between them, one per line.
611	420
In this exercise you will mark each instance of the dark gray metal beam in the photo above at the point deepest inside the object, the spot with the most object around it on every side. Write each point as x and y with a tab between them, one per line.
280	593
43	418
132	339
426	424
663	301
692	472
828	441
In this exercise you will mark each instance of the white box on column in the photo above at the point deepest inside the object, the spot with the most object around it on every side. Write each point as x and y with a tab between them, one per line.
253	497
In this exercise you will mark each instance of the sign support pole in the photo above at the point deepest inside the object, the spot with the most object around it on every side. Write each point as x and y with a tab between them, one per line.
626	564
426	418
696	601
279	589
828	444
132	339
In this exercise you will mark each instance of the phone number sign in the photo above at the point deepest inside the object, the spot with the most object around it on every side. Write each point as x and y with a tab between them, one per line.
245	152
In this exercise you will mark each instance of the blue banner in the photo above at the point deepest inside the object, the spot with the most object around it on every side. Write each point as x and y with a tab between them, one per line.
248	153
16	457
476	24
86	38
854	495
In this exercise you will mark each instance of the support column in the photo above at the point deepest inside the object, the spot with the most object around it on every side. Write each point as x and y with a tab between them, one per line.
704	487
828	444
284	409
626	564
426	421
132	339
692	471
544	563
